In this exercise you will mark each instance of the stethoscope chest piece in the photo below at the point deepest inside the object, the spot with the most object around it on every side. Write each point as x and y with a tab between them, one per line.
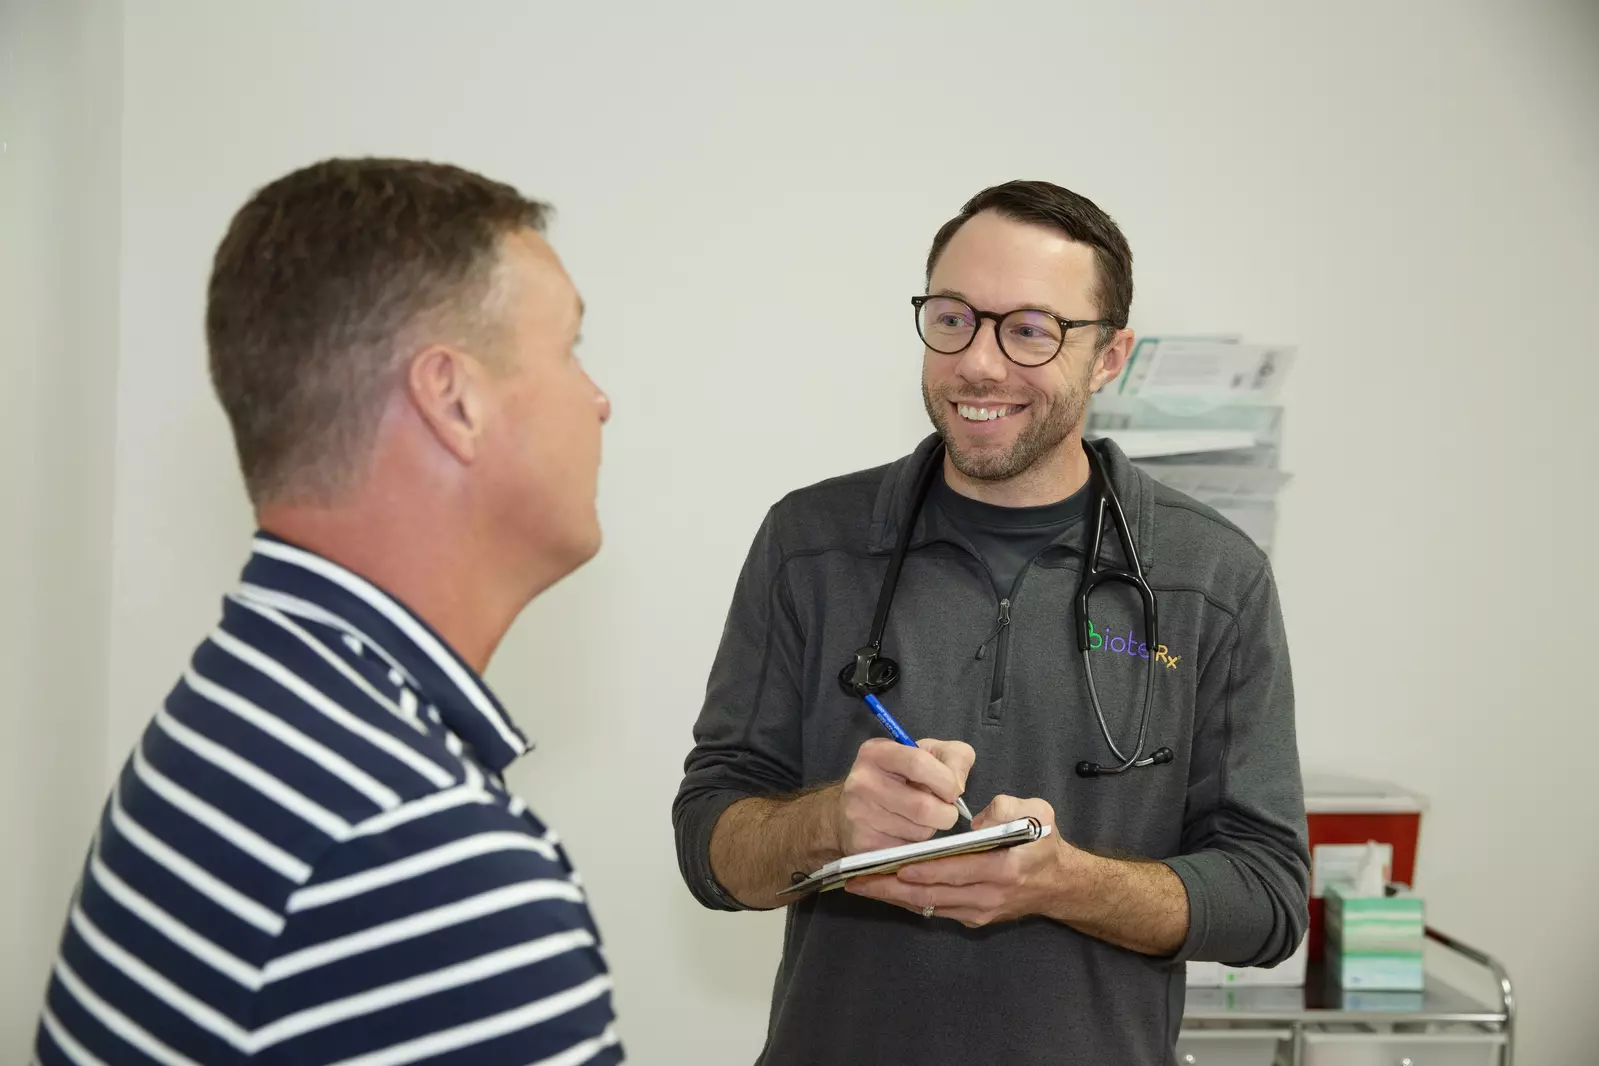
869	673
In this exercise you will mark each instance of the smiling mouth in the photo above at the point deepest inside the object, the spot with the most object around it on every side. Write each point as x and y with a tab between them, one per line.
972	412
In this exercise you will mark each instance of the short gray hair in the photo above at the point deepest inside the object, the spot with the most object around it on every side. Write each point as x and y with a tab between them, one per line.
319	285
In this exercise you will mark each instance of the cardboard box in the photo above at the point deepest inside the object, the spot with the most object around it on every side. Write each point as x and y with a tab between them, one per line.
1289	974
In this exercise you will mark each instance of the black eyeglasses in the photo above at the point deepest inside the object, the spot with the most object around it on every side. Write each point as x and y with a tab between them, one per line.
1027	336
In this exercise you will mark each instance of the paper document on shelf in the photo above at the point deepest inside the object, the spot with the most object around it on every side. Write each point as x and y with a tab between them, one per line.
1178	374
1110	410
1260	456
1208	338
1234	434
1203	416
1150	443
1217	485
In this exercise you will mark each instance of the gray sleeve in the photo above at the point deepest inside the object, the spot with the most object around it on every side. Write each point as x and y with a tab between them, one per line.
747	736
1245	862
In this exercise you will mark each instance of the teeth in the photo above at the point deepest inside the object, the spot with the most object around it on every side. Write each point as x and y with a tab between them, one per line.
981	414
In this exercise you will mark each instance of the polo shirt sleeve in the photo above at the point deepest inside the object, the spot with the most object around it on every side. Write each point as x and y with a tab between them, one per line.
747	736
448	934
1245	864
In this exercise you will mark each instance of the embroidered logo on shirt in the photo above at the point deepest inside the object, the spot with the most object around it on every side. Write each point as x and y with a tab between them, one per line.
1130	645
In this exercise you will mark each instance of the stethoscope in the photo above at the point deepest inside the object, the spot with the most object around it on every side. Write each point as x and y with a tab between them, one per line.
873	673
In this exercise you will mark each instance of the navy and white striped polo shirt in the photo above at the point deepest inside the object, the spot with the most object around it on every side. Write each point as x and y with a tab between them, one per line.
310	858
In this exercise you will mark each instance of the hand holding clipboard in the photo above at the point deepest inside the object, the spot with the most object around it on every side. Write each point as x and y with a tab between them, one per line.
888	860
895	798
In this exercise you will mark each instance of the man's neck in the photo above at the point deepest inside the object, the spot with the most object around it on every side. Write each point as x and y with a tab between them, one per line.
426	569
1052	478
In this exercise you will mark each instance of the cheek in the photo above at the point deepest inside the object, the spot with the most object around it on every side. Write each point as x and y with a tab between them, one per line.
530	424
1042	384
569	429
529	441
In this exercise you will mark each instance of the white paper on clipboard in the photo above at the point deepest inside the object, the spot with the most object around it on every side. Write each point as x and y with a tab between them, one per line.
887	860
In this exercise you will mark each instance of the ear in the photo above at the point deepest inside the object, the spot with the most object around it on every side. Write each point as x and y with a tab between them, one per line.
445	388
1110	362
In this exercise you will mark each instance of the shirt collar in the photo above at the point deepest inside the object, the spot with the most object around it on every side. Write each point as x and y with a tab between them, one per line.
897	489
1019	520
295	577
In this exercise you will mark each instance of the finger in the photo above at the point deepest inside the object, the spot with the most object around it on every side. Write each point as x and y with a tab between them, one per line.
888	822
954	871
955	754
884	889
920	807
913	803
905	802
1004	809
918	767
863	838
1000	809
914	897
877	886
970	917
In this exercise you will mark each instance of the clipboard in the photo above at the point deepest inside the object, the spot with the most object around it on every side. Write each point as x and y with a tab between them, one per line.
887	860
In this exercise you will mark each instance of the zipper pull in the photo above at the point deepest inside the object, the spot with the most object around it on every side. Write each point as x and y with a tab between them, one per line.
1004	620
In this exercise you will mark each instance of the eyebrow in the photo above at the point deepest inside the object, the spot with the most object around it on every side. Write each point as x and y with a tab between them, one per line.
1024	307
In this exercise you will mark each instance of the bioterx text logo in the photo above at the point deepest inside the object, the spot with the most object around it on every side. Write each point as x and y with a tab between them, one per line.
1129	645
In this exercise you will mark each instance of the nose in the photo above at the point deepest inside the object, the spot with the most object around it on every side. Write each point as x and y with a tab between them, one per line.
982	360
604	403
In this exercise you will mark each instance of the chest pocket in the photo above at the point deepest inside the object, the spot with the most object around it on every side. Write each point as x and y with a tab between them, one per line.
1048	677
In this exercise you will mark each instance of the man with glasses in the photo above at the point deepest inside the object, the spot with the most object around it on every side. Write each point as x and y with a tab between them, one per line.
1069	949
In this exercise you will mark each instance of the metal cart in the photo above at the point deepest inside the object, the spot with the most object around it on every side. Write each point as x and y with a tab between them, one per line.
1320	1024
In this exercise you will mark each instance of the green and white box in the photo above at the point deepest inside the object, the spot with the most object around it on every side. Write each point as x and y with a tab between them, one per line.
1376	942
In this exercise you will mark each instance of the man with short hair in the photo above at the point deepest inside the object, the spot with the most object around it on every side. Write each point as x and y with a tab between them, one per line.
1161	754
311	856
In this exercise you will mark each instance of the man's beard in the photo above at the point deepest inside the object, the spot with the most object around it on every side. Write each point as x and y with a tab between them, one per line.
1051	420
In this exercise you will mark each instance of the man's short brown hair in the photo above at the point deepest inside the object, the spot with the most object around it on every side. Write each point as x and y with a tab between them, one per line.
322	281
1079	218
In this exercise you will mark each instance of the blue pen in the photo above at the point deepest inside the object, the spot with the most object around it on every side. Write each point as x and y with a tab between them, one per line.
905	738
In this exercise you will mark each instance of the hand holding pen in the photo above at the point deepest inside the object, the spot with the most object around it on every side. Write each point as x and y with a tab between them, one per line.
903	737
901	792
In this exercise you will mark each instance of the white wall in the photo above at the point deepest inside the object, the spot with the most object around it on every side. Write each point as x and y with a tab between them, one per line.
1404	191
60	82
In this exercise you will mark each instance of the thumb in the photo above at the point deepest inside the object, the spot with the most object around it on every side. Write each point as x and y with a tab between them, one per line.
1008	808
1000	810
